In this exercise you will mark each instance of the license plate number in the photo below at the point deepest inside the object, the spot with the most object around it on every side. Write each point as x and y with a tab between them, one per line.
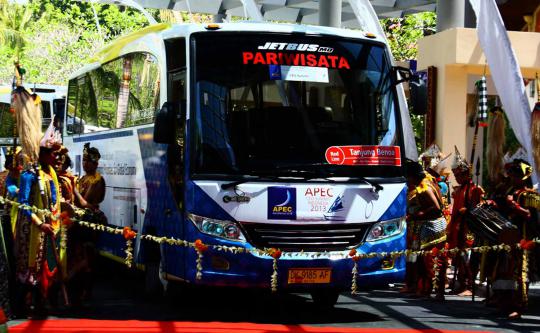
309	275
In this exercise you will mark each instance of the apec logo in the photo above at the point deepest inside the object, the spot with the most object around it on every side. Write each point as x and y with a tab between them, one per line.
281	203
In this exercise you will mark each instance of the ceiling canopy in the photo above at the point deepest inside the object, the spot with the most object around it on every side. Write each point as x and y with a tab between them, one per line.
300	11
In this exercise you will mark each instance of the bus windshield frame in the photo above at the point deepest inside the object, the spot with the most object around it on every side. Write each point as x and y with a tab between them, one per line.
269	124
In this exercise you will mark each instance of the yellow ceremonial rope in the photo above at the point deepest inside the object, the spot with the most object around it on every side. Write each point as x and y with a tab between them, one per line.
483	260
276	253
525	268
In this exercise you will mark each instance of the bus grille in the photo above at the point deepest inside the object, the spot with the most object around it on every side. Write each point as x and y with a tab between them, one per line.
308	237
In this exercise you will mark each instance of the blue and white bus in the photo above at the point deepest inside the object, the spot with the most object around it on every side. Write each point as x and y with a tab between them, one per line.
251	135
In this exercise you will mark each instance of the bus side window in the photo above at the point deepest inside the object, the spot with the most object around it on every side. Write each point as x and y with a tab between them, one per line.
87	105
143	90
73	123
121	93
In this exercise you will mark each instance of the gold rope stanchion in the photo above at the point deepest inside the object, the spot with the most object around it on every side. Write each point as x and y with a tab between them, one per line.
275	254
129	235
435	253
355	258
526	246
200	247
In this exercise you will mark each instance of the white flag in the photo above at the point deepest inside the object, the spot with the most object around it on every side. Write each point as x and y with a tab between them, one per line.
505	72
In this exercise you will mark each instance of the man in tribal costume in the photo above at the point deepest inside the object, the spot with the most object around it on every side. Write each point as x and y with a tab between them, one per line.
515	270
39	236
426	228
466	196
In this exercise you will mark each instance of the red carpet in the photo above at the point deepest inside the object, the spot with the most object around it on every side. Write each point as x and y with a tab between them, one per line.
104	326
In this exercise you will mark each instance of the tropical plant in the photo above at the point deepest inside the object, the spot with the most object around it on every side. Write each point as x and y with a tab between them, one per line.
403	33
14	22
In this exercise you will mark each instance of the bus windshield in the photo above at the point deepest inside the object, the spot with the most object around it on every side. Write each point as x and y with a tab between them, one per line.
268	103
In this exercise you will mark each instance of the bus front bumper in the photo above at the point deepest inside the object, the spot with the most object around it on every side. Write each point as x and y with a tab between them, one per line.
251	270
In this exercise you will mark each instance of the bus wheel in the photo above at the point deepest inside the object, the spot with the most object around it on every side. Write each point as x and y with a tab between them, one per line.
325	298
152	283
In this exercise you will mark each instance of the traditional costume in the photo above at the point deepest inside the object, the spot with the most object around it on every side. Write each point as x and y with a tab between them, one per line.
426	228
39	237
435	162
515	270
92	185
466	196
9	188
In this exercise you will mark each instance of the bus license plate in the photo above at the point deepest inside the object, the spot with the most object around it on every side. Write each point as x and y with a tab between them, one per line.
309	275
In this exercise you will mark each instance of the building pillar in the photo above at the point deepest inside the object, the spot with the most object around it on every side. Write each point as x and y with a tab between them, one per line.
454	14
330	13
218	18
451	121
450	14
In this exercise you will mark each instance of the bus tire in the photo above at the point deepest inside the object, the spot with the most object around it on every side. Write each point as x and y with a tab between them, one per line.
152	283
325	298
175	291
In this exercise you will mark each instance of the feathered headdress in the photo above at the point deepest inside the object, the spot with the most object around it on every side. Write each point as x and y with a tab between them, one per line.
434	159
51	139
28	118
460	163
520	168
520	154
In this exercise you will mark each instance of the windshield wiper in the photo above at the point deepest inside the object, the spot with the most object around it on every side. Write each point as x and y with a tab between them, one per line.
277	174
376	187
247	178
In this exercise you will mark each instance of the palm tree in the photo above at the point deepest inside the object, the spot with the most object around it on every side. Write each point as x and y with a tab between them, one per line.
170	16
14	20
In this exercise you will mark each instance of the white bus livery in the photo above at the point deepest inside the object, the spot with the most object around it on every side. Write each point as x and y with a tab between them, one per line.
253	135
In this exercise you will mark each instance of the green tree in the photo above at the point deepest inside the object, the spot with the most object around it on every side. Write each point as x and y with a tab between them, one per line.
404	33
14	22
58	36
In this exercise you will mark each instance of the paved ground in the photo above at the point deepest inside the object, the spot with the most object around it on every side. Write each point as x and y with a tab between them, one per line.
118	296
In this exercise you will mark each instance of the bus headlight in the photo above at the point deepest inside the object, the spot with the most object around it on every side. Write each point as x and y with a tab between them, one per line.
385	229
218	228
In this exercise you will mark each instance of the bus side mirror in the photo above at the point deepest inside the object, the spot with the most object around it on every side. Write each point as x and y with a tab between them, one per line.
164	123
418	94
401	74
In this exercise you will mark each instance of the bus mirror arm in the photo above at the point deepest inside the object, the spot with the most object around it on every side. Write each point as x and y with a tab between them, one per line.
402	74
417	88
164	126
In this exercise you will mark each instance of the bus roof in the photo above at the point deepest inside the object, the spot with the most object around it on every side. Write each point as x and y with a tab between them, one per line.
150	39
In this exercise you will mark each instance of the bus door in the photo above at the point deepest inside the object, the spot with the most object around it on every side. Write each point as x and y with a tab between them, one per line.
177	97
173	256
